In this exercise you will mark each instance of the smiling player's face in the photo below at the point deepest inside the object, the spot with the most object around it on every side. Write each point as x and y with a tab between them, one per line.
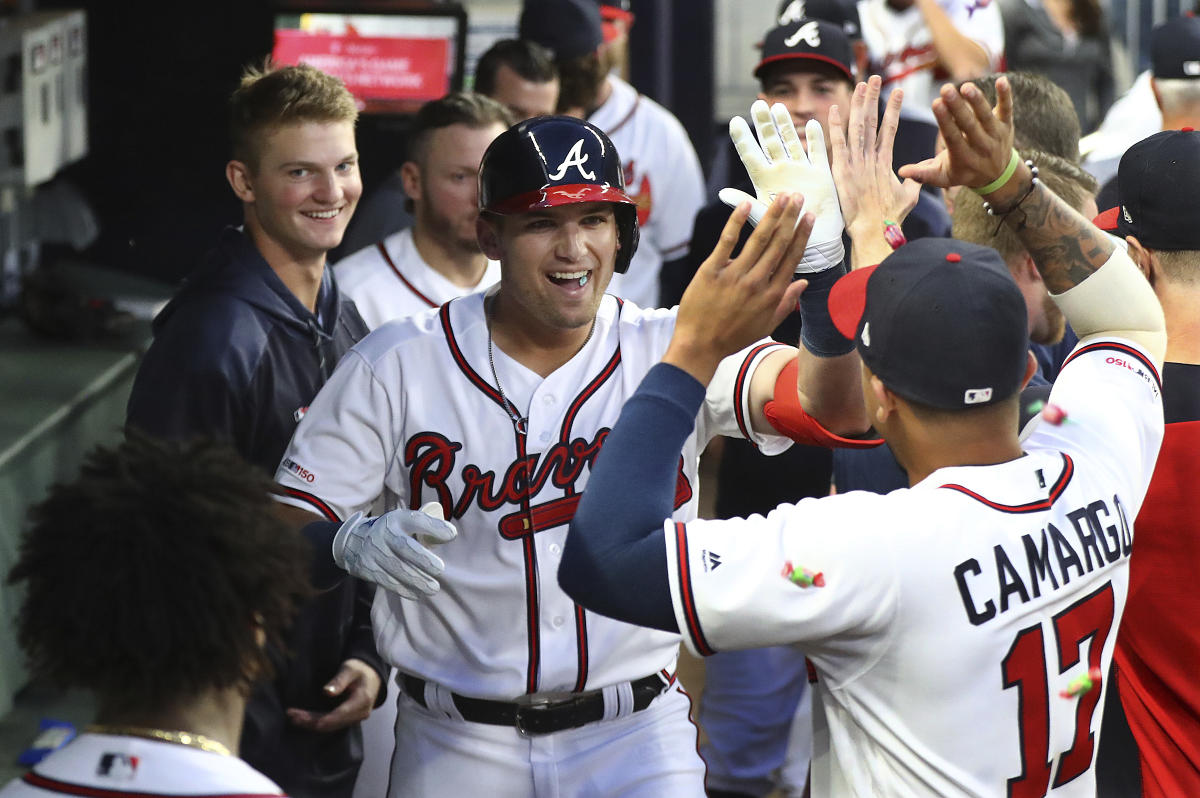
555	263
807	90
302	191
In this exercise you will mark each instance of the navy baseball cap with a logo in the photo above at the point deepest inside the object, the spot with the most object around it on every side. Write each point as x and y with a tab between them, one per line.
941	322
567	28
1156	192
807	40
839	12
1175	49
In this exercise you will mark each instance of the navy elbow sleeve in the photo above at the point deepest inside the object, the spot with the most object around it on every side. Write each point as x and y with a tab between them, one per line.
615	559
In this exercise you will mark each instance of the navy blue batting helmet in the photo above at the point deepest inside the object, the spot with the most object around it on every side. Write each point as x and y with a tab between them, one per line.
557	160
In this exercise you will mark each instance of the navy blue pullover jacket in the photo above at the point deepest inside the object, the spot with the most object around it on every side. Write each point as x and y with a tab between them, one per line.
238	357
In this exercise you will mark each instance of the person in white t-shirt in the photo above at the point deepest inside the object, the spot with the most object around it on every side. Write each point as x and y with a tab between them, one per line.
916	44
438	258
157	579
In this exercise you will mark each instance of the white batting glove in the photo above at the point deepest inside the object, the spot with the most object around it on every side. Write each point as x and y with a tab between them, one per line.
781	165
390	550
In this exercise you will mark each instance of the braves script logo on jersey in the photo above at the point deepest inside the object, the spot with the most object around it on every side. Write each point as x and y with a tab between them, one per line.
575	157
431	458
808	33
896	66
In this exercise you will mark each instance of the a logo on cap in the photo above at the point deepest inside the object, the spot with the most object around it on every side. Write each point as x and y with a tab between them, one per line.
1191	68
794	12
1125	213
810	32
866	334
575	157
977	396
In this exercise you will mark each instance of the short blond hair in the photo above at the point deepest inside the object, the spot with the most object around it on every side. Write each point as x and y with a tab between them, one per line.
271	96
973	224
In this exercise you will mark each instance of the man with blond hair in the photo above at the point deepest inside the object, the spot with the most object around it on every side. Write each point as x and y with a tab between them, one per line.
238	355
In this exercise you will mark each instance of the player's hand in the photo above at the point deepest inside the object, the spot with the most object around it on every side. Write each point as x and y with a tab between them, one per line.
869	190
390	551
730	304
358	684
979	139
781	164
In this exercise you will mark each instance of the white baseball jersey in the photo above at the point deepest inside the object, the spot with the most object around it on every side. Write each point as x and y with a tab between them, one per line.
900	47
957	613
111	765
662	174
390	280
413	414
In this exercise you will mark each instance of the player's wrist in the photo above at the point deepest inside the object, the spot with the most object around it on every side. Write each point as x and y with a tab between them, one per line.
694	355
1003	178
868	231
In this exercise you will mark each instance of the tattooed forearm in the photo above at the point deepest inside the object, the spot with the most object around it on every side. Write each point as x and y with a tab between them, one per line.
1065	246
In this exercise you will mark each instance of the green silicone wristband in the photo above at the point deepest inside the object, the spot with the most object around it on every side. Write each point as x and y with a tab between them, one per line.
1004	177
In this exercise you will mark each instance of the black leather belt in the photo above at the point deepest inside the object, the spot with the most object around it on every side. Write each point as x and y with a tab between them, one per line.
539	716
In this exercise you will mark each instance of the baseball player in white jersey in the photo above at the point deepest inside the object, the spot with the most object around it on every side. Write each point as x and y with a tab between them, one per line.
910	50
495	408
112	765
422	267
960	628
168	617
662	174
438	258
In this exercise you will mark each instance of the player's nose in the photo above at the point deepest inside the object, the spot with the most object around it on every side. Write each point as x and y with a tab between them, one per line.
569	245
328	188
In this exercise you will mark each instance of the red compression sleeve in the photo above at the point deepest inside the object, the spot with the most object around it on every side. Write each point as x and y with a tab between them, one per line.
789	418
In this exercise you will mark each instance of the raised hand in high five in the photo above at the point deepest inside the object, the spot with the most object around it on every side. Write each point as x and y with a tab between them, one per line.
777	163
871	195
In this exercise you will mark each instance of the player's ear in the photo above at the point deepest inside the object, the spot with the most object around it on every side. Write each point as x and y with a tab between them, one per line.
885	400
488	236
238	175
1143	257
1031	367
410	178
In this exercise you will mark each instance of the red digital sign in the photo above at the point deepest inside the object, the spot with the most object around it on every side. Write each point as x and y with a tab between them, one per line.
378	70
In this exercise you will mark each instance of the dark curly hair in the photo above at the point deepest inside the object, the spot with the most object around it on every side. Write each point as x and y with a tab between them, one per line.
153	576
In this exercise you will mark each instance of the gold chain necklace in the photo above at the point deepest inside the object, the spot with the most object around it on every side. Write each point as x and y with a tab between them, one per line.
189	739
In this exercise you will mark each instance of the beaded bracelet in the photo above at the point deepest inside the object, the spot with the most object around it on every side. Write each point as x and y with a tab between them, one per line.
1003	214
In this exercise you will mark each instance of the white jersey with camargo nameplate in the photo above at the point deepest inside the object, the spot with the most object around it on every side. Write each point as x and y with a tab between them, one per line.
413	414
952	624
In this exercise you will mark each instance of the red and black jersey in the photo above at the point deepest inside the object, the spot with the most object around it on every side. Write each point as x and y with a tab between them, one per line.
1159	641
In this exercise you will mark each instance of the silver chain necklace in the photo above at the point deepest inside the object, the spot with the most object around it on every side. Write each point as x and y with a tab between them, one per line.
520	423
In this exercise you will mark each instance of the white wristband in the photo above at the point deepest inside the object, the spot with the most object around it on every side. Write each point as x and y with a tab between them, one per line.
820	256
